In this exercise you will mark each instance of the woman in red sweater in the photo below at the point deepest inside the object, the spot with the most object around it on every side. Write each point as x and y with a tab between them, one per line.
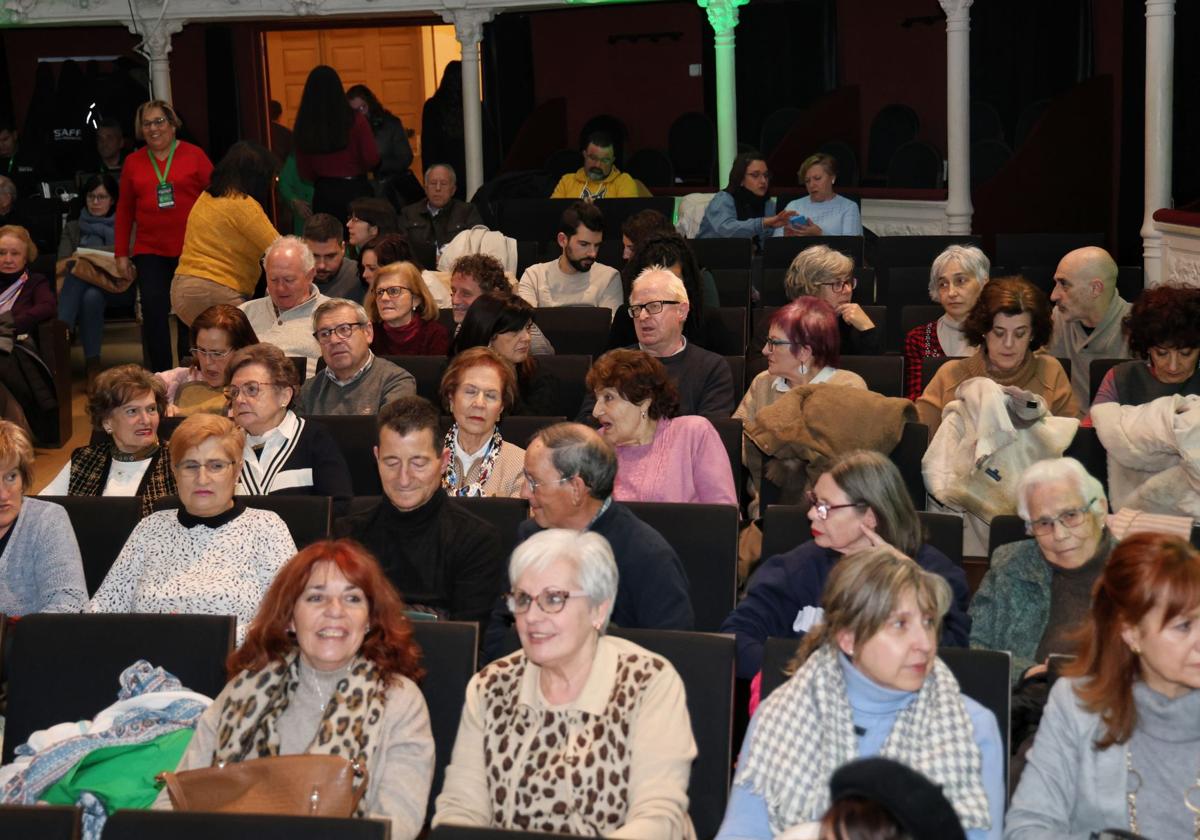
405	314
335	148
159	185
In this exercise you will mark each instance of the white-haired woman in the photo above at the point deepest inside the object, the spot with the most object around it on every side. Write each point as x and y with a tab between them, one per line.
1036	591
571	693
956	278
868	683
827	274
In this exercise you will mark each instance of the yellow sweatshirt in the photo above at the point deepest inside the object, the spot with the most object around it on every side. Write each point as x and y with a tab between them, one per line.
225	241
618	184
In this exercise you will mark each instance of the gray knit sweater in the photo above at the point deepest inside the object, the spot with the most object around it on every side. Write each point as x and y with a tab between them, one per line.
40	569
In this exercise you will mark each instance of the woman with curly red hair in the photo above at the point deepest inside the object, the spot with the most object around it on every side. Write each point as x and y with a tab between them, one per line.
329	667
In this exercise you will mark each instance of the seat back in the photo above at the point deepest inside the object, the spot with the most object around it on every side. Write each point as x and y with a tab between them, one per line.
45	822
883	374
730	430
102	524
907	455
892	127
706	539
915	165
505	514
779	251
1006	528
652	167
733	285
98	647
737	370
575	330
355	436
917	315
450	658
692	146
571	374
197	825
1097	370
427	370
786	526
727	333
1041	248
520	430
917	251
723	253
1088	450
307	517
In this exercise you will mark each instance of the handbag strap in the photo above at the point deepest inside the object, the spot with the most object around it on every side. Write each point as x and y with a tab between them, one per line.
174	789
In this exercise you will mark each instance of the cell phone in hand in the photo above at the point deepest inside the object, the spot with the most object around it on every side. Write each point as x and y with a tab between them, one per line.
799	221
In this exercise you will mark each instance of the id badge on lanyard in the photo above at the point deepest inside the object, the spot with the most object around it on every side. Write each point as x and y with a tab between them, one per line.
165	191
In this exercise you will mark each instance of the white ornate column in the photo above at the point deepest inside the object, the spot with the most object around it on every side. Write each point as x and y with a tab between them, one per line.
723	18
156	46
468	29
1160	89
958	115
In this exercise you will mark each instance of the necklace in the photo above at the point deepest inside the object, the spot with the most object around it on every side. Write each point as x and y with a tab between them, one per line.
1134	784
321	699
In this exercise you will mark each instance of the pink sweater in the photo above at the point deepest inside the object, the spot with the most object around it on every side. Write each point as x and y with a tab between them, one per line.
686	462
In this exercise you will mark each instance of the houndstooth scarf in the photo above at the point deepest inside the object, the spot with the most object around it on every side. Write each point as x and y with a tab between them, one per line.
248	723
805	731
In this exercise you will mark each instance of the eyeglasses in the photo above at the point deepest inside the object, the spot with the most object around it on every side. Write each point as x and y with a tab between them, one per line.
250	389
766	176
214	468
842	284
550	601
391	291
1069	519
534	484
211	354
776	343
325	335
99	197
823	508
157	122
652	307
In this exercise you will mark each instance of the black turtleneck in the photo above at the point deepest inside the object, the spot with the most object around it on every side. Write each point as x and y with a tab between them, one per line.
441	557
189	520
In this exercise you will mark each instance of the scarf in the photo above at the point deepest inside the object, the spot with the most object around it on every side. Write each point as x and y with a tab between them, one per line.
749	205
1022	375
456	485
247	723
96	231
805	732
10	289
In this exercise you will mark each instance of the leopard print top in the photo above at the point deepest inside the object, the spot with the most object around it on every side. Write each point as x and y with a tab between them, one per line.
560	770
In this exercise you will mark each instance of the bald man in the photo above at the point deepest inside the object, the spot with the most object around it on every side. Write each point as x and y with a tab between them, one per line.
1087	315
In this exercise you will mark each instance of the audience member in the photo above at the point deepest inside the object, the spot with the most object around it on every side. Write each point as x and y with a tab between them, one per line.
404	313
504	323
10	211
1163	329
477	388
284	316
337	274
280	138
598	177
295	688
573	714
638	227
569	475
660	457
126	403
199	388
575	278
110	147
440	217
880	796
395	152
1117	744
1008	324
802	348
956	278
822	212
743	209
19	165
284	453
445	559
227	232
659	308
824	273
369	218
40	566
867	681
296	194
355	380
335	149
382	251
89	282
212	556
667	249
1088	315
860	502
1036	591
158	189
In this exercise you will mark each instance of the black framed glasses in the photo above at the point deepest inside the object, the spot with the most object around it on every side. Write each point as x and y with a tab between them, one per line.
325	335
549	600
1069	519
842	284
823	509
776	343
651	307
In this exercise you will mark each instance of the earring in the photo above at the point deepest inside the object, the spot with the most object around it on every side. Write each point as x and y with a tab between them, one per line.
1137	651
643	415
803	368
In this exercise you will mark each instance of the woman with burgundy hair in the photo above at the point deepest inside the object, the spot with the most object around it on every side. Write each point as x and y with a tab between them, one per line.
330	666
1119	743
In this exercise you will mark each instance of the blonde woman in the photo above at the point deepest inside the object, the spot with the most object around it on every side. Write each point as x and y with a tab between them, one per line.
405	314
869	682
827	274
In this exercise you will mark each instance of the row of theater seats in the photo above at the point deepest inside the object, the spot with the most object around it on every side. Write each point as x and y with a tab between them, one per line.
194	649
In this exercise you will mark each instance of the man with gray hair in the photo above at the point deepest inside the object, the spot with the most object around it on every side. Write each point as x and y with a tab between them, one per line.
1088	314
284	316
354	380
569	475
440	217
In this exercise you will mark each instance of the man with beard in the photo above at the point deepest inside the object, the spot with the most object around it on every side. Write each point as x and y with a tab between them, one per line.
598	177
337	274
575	278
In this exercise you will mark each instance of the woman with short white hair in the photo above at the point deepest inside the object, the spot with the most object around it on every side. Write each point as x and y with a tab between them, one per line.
956	278
571	692
1037	590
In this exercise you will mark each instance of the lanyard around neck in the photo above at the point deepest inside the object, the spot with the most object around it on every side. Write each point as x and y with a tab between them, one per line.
163	173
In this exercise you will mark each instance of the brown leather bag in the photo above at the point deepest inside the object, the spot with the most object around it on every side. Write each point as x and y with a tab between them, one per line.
297	785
